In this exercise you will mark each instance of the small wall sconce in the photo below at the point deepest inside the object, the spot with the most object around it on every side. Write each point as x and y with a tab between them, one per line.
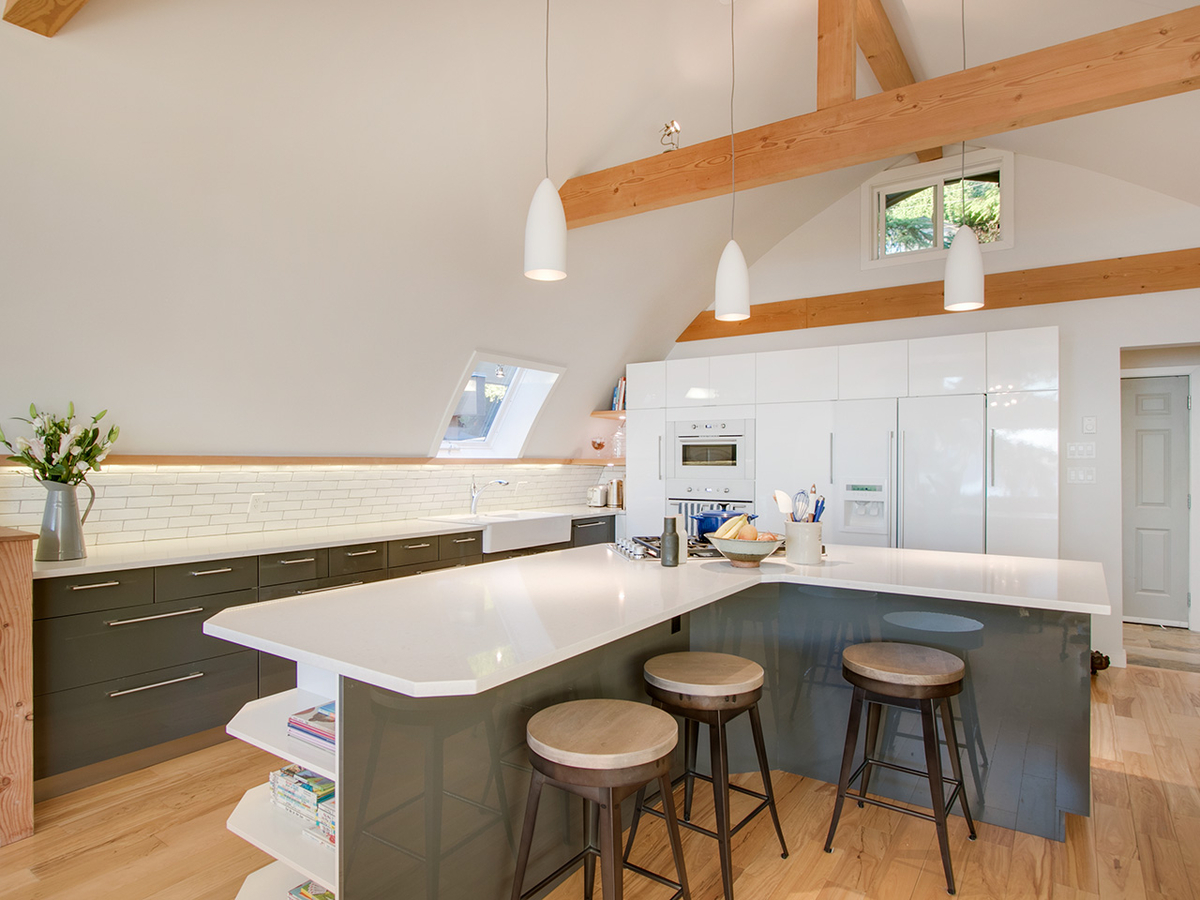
670	136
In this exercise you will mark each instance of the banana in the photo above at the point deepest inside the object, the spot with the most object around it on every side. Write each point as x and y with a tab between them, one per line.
730	528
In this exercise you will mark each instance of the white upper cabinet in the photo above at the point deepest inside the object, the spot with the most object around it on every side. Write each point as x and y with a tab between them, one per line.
709	381
954	364
873	370
646	385
1023	360
788	376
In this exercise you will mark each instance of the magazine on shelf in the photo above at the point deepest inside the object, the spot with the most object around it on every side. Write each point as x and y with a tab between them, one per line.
310	890
320	721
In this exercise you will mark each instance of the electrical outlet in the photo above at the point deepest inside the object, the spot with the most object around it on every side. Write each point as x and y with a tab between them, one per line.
256	508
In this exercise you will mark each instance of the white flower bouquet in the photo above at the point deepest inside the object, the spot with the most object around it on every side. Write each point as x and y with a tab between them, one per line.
61	451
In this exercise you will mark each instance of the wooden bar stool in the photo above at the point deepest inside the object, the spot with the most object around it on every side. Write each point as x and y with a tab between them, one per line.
710	688
912	677
602	751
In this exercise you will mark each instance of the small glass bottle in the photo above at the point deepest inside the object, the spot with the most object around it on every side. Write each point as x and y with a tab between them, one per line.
669	554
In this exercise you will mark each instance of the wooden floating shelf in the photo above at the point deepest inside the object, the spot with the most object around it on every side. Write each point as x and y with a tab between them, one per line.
609	414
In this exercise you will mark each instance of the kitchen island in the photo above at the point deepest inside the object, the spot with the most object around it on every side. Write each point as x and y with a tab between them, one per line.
436	676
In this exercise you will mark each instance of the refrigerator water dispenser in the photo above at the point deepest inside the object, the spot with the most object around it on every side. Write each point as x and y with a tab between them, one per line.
865	510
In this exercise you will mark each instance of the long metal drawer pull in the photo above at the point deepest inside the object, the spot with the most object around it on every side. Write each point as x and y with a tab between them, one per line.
88	587
364	552
150	687
332	587
170	615
589	524
291	562
212	571
416	546
465	540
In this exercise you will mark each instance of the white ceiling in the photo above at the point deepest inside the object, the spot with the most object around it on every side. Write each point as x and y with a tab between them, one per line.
332	201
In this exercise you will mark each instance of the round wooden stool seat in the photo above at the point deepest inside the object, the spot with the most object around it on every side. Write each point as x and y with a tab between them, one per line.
704	674
903	664
602	734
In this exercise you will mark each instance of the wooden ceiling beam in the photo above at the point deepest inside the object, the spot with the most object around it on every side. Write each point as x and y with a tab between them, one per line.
879	44
45	17
837	52
1174	270
1150	59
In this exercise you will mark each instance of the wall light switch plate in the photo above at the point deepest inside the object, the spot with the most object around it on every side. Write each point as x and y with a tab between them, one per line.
256	508
1089	424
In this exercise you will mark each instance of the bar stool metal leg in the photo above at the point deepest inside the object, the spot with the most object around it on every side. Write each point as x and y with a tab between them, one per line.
872	746
610	847
691	737
937	790
536	780
955	762
852	725
719	751
760	748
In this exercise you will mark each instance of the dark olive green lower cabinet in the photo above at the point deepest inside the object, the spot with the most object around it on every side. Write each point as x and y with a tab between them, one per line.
275	674
100	721
593	530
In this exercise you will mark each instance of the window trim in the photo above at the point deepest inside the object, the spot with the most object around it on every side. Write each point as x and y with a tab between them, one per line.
498	444
924	175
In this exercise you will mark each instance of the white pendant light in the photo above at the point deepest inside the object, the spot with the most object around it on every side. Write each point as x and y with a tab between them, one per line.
733	285
546	223
733	277
962	289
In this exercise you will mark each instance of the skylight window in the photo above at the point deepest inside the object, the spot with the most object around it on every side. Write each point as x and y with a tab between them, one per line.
495	407
912	213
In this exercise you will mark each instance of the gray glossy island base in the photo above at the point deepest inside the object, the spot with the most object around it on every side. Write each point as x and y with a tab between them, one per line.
431	791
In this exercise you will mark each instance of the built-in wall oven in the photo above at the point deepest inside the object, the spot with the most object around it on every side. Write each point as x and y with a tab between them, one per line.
712	450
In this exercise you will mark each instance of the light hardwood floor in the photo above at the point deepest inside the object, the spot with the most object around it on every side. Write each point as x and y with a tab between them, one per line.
160	833
1162	648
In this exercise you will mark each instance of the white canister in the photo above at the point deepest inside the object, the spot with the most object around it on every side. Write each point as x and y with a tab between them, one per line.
804	543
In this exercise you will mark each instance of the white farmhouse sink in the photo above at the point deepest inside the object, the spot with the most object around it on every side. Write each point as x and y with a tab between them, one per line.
513	529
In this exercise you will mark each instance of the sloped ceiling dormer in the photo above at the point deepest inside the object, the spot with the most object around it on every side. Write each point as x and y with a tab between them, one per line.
279	228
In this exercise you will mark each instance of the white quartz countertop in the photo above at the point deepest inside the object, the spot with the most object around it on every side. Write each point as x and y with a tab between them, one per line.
464	631
140	555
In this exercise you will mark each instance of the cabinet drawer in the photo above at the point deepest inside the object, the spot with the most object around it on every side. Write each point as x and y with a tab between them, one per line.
213	576
455	546
316	586
71	651
297	565
89	724
433	565
84	593
358	558
275	674
412	550
599	530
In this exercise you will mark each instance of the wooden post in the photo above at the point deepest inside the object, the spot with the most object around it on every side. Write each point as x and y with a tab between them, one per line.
16	685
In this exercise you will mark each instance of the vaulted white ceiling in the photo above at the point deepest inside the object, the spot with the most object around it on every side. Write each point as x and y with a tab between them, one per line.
283	226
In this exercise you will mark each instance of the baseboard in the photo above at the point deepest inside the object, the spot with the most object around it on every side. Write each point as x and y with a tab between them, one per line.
66	782
1165	623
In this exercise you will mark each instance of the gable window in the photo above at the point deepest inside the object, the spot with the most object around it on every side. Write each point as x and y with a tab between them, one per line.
494	407
912	213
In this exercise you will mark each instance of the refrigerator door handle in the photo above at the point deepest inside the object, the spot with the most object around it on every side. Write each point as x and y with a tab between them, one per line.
660	457
831	461
892	517
900	489
992	460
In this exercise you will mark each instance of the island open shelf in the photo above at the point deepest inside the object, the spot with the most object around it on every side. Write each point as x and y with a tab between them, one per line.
257	820
264	723
271	882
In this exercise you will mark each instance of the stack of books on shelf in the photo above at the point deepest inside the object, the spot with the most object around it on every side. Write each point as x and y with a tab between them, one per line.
301	793
618	400
316	725
310	890
326	830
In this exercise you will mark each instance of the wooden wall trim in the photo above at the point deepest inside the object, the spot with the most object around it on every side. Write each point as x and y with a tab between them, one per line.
1143	61
196	460
16	685
1173	270
44	17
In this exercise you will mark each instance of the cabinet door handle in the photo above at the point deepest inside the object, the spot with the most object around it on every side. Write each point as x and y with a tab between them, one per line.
831	460
589	524
170	615
157	684
332	587
98	584
212	572
660	457
294	562
416	546
901	493
992	476
465	540
365	552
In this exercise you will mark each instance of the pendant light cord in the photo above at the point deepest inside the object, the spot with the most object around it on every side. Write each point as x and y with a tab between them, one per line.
962	178
732	149
547	74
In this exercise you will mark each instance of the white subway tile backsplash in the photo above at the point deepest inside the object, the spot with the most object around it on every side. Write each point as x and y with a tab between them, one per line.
144	503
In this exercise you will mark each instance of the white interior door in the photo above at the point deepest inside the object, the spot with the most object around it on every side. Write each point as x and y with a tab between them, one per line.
941	473
1154	494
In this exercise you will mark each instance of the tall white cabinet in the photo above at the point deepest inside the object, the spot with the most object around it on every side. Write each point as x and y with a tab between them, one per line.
795	442
1022	474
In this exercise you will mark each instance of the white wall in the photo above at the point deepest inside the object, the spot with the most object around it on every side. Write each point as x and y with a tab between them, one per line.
1063	214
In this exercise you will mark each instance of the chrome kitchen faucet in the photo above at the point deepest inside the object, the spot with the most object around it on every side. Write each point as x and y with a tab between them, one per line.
475	492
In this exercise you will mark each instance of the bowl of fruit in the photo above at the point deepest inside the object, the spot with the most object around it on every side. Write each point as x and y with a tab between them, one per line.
743	544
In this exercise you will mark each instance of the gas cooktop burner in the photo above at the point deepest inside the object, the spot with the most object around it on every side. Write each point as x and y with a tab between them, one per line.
696	549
